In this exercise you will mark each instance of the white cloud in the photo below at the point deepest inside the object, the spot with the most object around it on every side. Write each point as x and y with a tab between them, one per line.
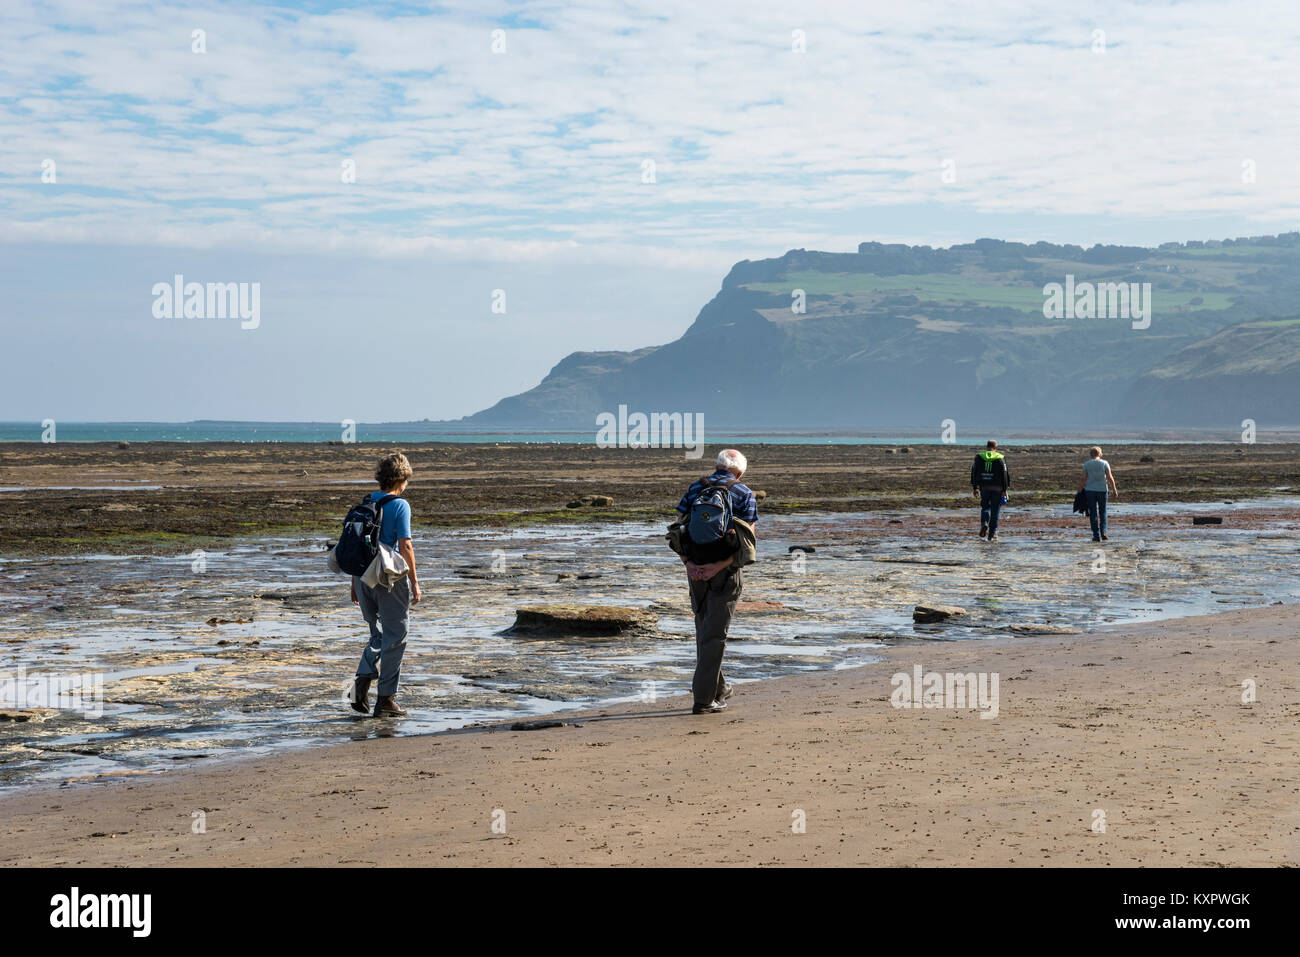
536	153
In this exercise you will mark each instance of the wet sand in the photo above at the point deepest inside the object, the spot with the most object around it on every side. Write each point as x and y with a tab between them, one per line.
1144	724
156	496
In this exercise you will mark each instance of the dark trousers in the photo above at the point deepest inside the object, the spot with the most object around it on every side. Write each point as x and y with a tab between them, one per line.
1097	512
990	508
714	602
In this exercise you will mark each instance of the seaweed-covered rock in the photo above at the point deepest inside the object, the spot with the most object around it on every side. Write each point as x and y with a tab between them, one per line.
581	620
596	501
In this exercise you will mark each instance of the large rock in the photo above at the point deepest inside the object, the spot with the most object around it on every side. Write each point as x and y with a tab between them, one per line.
598	501
932	613
582	620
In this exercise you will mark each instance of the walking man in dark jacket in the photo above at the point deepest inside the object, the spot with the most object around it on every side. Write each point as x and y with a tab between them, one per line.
715	581
989	479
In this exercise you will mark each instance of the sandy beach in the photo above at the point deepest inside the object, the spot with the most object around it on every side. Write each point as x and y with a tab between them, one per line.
1141	728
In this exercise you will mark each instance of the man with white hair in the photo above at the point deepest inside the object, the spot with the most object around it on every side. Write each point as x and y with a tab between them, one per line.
707	511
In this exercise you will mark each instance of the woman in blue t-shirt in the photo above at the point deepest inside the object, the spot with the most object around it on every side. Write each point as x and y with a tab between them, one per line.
1096	476
387	610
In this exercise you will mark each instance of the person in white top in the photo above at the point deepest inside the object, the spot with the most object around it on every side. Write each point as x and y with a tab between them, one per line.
1097	476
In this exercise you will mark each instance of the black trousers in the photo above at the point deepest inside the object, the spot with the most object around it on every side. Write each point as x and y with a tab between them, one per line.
713	602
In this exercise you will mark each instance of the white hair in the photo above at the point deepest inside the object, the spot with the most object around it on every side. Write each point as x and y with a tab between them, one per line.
730	459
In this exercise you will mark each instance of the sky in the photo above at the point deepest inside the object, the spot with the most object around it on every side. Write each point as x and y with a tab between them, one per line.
388	172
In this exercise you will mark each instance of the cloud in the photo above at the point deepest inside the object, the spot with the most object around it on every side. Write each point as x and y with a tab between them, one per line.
537	153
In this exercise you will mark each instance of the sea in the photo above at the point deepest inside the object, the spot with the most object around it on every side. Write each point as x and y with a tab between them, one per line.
431	431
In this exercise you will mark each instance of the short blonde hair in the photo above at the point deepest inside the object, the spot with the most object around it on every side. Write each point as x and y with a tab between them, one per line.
392	471
1095	451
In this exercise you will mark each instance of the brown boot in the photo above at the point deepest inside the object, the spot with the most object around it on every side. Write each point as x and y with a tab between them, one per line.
386	706
360	690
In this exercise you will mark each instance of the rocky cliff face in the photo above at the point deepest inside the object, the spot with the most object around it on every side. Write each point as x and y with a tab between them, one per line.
907	336
1248	371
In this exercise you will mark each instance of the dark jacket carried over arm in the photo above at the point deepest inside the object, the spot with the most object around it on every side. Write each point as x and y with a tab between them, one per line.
989	471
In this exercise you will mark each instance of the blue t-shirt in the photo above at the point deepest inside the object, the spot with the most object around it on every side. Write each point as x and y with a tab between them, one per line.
1096	470
396	520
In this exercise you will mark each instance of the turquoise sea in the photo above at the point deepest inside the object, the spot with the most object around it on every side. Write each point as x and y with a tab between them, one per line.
427	431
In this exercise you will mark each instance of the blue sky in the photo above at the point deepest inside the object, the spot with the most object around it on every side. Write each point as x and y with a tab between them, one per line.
523	169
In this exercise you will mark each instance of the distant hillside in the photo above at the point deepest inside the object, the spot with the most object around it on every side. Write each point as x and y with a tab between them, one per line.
899	335
567	395
1248	371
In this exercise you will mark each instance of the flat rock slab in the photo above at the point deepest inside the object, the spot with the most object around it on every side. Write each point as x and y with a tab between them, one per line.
753	606
933	613
27	714
1044	630
584	620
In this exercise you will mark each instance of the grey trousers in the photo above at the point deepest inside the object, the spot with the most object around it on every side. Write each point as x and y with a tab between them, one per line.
714	602
387	613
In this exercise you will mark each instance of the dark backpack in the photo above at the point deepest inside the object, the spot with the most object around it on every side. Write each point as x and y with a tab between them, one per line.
708	523
359	542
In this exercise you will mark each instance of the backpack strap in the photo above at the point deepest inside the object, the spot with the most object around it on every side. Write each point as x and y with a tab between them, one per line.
380	502
708	485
